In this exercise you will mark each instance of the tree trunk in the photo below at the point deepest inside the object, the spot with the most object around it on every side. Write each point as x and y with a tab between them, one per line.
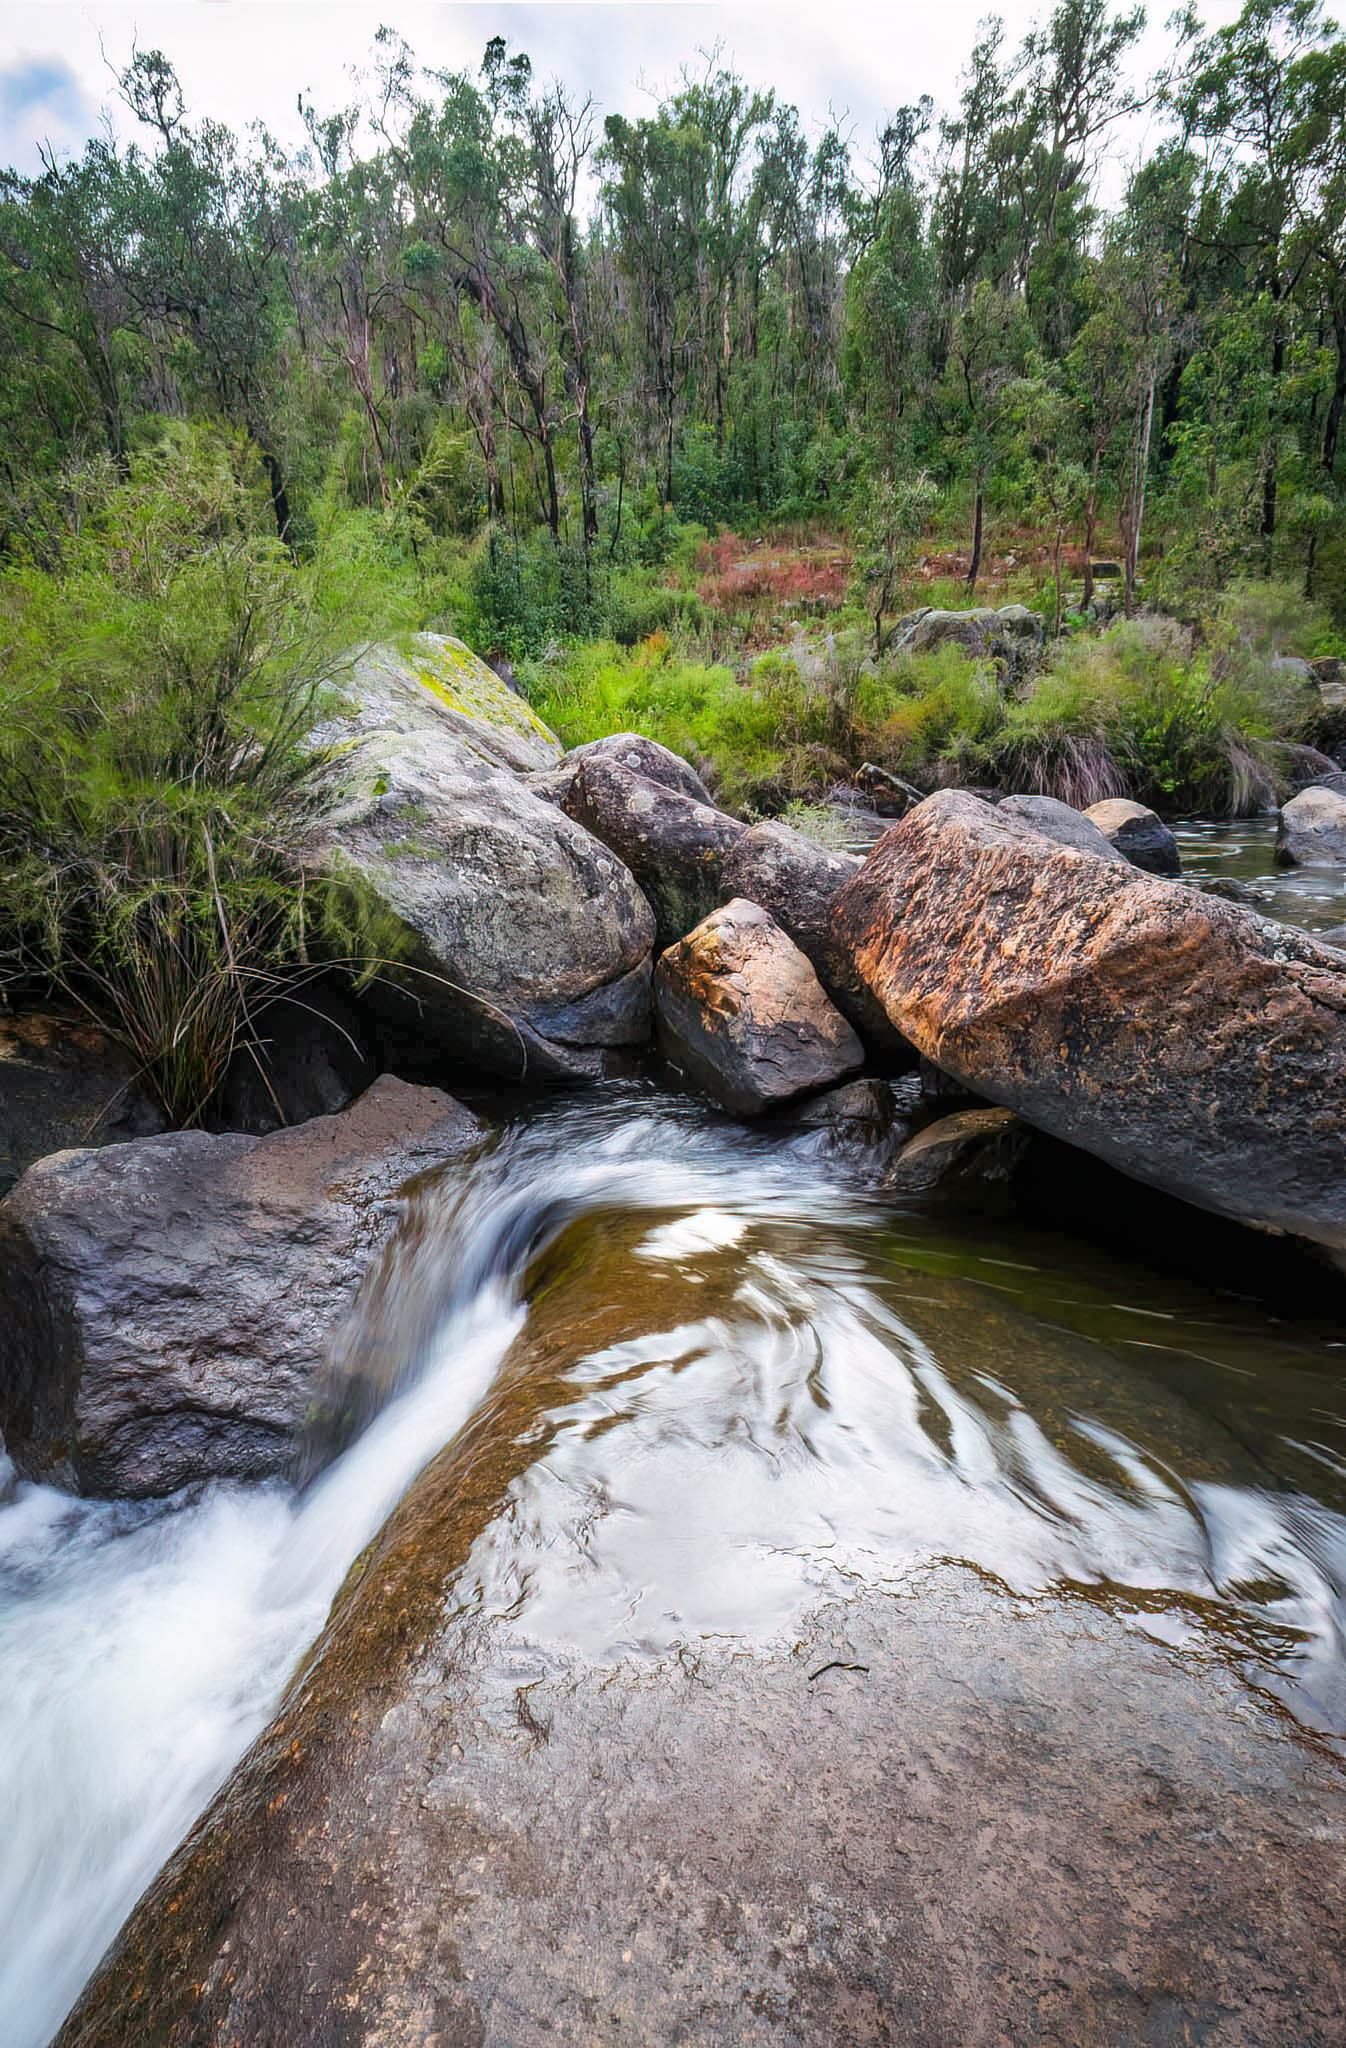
978	516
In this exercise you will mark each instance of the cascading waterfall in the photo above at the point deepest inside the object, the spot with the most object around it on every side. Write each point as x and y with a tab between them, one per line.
818	1392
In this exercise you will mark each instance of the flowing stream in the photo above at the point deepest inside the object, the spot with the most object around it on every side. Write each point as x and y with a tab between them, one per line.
776	1386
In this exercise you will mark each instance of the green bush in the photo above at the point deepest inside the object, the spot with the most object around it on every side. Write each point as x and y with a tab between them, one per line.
162	668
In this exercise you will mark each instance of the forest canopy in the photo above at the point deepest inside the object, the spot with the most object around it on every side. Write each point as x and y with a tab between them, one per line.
472	304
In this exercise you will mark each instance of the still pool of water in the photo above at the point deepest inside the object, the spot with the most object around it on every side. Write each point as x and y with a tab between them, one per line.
729	1385
1244	850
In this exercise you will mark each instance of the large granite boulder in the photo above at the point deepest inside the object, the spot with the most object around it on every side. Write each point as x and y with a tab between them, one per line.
1312	830
63	1082
517	943
168	1303
1010	630
742	1013
1058	821
1191	1043
674	844
1137	834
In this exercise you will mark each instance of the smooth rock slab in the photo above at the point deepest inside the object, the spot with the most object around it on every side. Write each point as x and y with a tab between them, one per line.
168	1303
1196	1046
743	1014
1138	834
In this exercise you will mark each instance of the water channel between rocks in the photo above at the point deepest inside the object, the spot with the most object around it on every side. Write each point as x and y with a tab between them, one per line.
729	1392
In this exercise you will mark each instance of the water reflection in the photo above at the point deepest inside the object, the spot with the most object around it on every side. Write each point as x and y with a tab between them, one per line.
1244	850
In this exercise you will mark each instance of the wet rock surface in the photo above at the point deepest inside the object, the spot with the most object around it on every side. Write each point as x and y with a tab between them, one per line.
64	1083
1194	1045
741	1012
973	1155
170	1301
1137	834
571	1763
674	844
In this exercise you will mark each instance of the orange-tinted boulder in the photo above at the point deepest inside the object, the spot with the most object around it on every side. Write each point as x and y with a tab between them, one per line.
1184	1040
743	1014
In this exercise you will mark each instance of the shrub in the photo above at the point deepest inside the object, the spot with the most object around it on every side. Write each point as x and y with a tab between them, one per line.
160	676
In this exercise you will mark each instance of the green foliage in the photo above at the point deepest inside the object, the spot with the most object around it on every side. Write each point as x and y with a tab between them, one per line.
160	674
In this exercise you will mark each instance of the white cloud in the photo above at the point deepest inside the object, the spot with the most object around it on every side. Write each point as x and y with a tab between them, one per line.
241	60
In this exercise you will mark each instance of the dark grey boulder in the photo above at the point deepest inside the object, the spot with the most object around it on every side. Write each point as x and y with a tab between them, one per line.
1312	830
970	1158
168	1303
643	757
859	1126
311	1056
742	1014
1059	822
675	845
62	1083
1138	834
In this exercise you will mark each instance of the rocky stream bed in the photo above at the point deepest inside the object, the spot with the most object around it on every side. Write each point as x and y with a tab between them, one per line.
828	1527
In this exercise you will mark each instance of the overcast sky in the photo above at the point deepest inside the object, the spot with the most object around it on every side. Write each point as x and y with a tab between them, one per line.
241	60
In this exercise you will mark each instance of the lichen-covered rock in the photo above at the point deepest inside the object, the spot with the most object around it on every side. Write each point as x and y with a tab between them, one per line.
168	1302
675	845
1138	835
742	1013
1060	822
1196	1046
432	682
1010	628
519	943
1312	830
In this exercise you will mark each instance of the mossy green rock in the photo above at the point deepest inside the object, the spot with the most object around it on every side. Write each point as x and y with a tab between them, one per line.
516	943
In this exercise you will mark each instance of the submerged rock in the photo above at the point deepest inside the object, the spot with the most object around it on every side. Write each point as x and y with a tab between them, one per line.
1060	822
168	1303
1138	834
63	1082
521	945
1194	1045
742	1013
1312	829
674	844
975	1154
